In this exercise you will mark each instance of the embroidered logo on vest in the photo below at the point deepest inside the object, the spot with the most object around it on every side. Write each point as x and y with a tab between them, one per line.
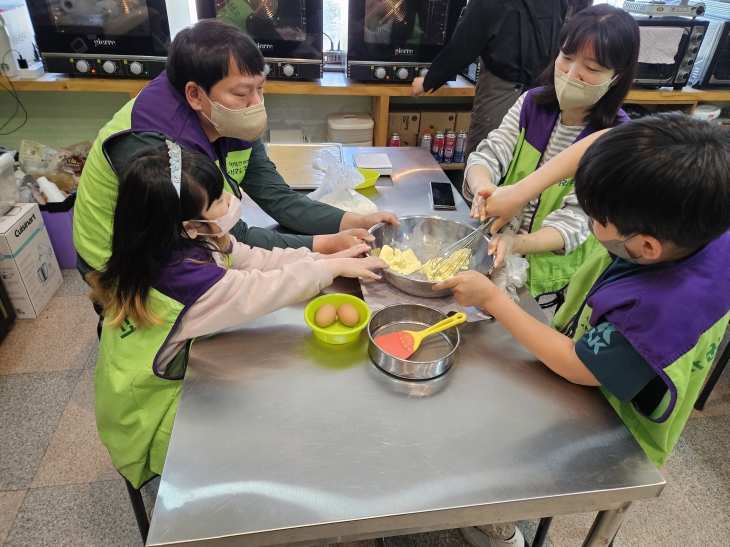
127	328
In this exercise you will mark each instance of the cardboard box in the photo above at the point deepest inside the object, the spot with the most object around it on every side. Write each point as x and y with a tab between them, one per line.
437	120
28	265
406	122
463	119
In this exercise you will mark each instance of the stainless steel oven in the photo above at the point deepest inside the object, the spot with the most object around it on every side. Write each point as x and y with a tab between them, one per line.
288	32
669	49
107	38
7	313
712	68
396	40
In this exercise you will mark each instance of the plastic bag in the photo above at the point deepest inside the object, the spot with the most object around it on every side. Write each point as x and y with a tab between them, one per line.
512	276
337	188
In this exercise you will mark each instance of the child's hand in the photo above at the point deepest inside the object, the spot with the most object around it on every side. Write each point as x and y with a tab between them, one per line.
504	202
358	251
334	243
470	289
501	245
356	267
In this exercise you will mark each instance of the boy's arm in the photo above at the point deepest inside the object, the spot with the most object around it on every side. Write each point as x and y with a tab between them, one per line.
554	349
506	202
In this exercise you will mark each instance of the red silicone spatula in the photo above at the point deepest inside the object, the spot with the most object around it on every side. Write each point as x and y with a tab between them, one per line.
404	343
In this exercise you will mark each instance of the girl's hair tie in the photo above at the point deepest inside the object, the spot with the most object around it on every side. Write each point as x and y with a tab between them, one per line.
175	164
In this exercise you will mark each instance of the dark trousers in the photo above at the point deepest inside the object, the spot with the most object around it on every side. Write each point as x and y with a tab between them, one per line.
492	99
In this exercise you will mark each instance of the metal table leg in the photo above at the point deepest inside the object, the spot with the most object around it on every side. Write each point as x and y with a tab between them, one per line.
542	531
605	527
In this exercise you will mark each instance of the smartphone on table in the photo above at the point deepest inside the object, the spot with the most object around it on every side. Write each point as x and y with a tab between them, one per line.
442	196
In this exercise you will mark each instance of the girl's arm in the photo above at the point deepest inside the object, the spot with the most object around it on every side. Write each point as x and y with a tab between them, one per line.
486	166
506	202
247	258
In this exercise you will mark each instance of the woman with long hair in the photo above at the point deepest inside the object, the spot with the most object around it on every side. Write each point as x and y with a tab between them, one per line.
581	94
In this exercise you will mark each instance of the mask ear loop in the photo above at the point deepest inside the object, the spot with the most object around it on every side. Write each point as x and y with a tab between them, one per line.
173	150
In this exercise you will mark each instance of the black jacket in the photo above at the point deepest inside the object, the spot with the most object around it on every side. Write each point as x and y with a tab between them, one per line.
502	33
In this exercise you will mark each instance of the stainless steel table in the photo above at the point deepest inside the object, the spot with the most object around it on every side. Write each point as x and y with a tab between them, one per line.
281	439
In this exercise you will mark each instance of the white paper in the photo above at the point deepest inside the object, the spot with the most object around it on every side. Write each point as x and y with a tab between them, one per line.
659	45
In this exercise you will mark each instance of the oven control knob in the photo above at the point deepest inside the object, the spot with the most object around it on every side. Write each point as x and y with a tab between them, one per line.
693	50
422	73
109	67
135	68
82	66
267	69
697	37
682	76
689	62
380	73
403	74
288	70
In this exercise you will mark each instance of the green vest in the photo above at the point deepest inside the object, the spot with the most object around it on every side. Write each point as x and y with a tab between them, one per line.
658	433
135	408
548	272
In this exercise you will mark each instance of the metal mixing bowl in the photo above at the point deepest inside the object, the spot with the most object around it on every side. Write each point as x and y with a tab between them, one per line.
427	236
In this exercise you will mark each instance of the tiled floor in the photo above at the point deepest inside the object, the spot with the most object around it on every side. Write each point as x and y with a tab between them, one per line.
58	487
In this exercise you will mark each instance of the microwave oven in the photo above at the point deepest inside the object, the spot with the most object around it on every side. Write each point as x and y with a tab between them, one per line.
669	49
287	32
107	38
396	40
712	69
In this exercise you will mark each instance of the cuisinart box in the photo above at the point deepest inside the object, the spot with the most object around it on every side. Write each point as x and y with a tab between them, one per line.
28	264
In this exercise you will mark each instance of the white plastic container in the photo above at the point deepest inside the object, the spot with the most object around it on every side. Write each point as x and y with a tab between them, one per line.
349	128
707	112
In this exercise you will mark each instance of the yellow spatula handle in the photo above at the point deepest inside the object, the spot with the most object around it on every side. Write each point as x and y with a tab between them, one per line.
456	319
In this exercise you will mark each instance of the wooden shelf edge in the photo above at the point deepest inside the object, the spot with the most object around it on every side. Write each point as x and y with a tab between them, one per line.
452	166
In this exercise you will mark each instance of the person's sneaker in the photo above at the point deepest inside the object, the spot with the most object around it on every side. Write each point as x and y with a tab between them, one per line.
479	538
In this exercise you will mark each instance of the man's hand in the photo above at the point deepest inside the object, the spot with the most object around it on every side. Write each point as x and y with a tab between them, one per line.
356	267
334	243
504	202
365	222
358	251
471	289
417	87
502	245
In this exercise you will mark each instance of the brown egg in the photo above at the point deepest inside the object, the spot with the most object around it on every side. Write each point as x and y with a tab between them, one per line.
325	315
348	316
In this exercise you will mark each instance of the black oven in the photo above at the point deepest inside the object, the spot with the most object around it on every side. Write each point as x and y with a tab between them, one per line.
288	32
669	49
106	38
396	40
712	69
7	313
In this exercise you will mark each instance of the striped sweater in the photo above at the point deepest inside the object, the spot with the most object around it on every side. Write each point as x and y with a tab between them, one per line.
495	153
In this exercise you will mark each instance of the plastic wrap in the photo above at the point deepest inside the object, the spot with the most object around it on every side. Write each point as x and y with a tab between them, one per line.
512	276
337	188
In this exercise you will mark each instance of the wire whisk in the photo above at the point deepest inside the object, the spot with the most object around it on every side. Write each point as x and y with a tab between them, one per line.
456	256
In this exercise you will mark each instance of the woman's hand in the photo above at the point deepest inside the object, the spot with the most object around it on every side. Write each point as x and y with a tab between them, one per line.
358	251
470	289
479	179
356	267
417	87
502	245
505	203
334	243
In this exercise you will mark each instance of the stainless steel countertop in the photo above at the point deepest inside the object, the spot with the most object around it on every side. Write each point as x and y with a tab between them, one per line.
282	439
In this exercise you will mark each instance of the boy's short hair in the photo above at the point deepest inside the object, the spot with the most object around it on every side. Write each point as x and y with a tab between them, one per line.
666	176
205	52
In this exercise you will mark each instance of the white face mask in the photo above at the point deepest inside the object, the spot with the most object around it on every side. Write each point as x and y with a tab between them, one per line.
574	93
247	124
227	221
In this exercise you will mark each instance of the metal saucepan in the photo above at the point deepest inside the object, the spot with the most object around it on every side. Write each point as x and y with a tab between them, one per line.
436	353
427	236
